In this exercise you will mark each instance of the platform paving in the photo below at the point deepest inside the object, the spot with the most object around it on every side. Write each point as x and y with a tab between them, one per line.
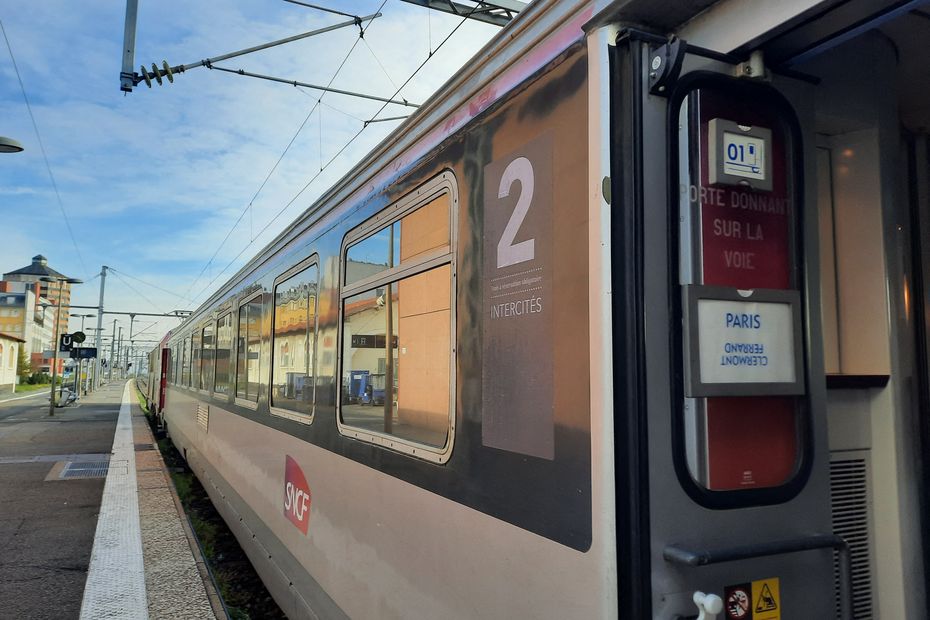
51	487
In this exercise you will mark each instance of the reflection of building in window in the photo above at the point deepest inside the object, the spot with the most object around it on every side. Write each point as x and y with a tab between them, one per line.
292	372
206	357
397	328
186	362
196	352
223	352
248	349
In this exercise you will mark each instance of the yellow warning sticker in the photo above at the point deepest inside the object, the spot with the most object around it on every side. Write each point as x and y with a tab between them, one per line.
766	601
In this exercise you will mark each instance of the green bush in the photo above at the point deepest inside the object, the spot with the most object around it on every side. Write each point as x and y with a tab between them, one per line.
23	366
37	378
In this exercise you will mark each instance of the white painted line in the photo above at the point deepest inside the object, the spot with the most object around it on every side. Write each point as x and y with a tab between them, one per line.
33	395
115	585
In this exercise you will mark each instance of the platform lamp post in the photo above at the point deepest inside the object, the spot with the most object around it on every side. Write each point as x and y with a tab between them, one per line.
80	362
51	402
9	145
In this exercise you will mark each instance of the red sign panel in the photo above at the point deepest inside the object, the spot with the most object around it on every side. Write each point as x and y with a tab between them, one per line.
745	244
744	236
744	232
296	495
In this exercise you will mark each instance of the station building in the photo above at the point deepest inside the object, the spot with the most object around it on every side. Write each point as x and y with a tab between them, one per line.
28	309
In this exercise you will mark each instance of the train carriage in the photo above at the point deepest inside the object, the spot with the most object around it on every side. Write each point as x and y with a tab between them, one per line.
577	340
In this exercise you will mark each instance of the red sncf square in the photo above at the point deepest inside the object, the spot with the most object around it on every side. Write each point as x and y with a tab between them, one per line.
296	495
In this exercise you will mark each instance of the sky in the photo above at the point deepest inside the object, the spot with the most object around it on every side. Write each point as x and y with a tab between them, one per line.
151	182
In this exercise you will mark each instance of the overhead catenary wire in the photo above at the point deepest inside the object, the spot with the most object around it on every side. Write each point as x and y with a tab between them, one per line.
296	83
336	156
425	60
248	207
323	8
48	166
140	280
343	112
136	291
378	60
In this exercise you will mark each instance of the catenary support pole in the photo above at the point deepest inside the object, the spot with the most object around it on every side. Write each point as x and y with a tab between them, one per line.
97	343
112	350
132	320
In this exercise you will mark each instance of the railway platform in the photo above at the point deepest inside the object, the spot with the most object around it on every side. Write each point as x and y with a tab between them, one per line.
90	524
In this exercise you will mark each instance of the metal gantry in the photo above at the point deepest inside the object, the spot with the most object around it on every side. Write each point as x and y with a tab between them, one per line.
498	12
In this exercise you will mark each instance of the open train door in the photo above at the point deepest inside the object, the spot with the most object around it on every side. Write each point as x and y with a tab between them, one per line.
723	466
769	231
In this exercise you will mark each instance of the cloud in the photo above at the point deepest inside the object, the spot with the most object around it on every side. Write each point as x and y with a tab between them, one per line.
152	181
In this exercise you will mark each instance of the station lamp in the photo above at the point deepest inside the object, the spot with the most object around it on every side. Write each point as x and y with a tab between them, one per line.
9	145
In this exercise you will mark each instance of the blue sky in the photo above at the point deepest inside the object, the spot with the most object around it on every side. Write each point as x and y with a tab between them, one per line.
153	181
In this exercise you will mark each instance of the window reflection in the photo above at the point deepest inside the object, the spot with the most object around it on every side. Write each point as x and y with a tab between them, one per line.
370	256
403	242
294	342
185	362
223	347
248	349
195	359
206	357
396	352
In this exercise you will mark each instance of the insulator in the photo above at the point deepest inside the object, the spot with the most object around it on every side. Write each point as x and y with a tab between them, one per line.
168	72
145	76
156	73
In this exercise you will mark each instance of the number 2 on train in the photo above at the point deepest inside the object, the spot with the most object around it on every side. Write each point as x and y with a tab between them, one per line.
508	252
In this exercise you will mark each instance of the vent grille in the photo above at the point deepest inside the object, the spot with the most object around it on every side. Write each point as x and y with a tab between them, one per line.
85	469
203	416
851	501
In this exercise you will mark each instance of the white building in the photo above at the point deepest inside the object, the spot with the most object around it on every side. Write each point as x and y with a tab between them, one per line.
9	355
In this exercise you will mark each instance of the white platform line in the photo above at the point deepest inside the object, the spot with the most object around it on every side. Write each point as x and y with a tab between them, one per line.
115	585
33	395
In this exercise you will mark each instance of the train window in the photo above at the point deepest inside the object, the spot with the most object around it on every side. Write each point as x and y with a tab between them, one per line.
741	425
397	326
248	350
206	356
186	362
409	239
370	256
292	366
195	359
223	350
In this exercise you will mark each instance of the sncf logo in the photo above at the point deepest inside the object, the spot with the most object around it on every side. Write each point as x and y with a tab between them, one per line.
296	495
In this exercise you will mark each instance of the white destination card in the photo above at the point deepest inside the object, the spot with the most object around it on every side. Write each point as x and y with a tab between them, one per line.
745	342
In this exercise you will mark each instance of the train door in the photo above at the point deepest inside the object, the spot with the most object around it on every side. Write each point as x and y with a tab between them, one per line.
731	512
163	377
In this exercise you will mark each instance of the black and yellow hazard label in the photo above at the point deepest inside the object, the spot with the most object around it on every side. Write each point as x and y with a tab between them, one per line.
766	602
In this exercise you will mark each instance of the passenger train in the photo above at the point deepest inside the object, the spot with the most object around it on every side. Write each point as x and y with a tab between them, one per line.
628	320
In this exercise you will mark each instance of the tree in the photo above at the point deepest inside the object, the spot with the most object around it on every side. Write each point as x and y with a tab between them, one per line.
23	366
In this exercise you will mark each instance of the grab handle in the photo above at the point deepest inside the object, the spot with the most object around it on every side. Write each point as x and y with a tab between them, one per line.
676	554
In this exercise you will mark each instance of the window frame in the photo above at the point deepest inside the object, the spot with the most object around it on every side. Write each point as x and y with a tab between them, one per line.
222	313
186	362
201	328
738	498
312	261
238	400
444	183
196	335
